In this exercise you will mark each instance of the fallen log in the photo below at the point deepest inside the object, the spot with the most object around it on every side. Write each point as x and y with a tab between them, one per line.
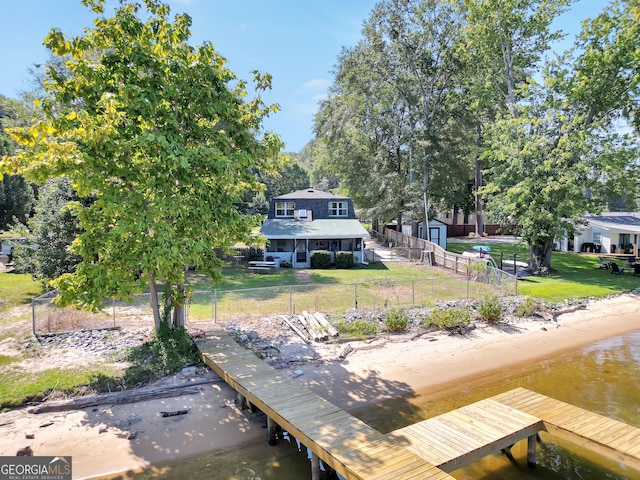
324	323
174	413
297	330
315	336
317	328
120	398
346	351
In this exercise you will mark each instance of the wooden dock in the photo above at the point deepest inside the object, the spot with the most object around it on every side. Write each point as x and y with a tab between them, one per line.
343	442
426	450
606	436
465	435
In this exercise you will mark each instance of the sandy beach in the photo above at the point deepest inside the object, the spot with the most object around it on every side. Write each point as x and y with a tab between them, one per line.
373	371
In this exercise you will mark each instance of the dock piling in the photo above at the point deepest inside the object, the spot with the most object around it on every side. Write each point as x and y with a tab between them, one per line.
315	467
531	451
271	430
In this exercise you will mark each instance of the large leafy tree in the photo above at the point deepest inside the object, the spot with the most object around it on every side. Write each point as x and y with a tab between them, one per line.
504	43
162	135
393	103
565	151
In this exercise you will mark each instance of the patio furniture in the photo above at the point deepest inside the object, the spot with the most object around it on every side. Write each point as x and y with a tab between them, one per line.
616	269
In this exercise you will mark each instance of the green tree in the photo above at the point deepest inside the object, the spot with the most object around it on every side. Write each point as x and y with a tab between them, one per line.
160	133
556	162
504	43
16	194
50	233
393	110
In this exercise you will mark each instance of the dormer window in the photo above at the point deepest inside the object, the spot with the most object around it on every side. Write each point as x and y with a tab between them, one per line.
285	209
338	209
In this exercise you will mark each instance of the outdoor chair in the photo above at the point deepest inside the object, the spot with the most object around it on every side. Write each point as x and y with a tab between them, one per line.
615	269
636	269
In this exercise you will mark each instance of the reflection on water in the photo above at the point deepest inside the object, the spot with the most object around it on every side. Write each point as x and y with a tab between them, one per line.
603	377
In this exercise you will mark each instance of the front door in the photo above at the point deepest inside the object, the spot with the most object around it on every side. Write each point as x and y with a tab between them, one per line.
301	254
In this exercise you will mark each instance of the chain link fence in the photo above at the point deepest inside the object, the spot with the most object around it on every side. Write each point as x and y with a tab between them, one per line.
207	308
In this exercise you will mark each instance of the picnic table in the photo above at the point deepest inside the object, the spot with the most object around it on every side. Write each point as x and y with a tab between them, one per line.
259	266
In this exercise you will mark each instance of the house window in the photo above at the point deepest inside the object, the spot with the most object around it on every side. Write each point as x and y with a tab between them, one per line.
597	237
338	209
285	209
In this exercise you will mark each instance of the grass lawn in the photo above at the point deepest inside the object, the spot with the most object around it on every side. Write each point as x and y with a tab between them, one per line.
237	277
18	289
573	274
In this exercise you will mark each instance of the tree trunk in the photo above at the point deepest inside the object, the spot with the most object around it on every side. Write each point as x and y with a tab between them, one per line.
479	212
155	307
540	258
179	311
456	211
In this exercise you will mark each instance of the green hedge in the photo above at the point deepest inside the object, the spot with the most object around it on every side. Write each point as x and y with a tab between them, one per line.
344	260
320	259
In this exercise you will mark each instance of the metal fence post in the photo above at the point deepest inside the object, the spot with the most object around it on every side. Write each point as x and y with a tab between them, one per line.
290	299
33	316
113	308
355	295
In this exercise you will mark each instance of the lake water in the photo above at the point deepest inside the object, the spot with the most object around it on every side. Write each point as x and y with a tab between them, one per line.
603	377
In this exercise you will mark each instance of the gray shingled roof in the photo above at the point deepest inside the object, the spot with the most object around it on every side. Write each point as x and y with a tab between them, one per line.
284	228
617	222
309	193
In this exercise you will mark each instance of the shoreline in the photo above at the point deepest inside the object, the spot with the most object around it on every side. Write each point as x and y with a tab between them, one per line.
371	373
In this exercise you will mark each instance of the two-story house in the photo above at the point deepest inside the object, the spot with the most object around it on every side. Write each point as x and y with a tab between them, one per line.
307	220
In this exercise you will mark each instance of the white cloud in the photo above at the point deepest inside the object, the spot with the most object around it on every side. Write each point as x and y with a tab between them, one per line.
316	84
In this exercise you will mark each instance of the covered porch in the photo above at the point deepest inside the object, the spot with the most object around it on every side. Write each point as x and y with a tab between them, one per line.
292	241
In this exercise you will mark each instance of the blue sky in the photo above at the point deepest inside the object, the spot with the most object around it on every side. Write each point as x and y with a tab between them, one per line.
297	41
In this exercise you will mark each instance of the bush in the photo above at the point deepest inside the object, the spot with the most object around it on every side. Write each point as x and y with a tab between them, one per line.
447	318
396	320
528	307
320	259
344	260
356	328
490	309
166	353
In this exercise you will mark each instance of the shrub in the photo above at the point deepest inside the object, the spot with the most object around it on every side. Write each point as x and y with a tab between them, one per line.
344	260
320	259
527	308
356	328
166	353
490	309
396	320
447	318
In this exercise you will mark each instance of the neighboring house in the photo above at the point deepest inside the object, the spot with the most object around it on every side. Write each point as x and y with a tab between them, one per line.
307	220
611	232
